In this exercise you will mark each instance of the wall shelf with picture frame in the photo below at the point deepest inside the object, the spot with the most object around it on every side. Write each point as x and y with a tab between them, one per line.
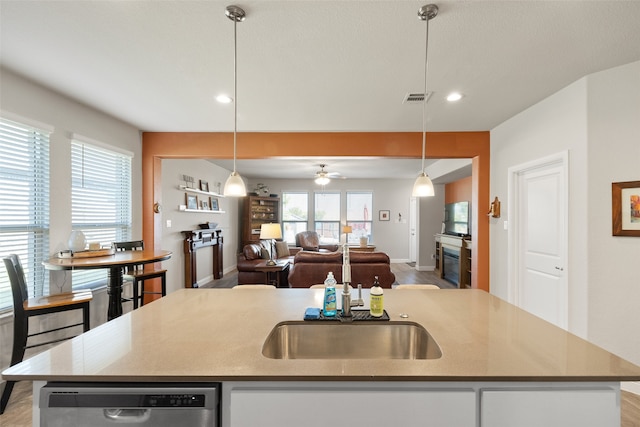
198	191
203	203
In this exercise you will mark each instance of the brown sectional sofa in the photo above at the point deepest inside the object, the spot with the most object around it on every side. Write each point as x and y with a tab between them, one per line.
311	268
254	254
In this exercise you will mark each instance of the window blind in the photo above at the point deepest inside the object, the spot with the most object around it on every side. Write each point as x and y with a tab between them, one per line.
100	200
24	198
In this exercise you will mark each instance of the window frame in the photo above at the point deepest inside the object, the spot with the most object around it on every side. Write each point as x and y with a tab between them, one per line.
287	225
102	212
25	197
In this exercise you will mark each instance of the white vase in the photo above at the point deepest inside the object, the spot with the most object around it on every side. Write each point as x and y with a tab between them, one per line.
363	242
77	241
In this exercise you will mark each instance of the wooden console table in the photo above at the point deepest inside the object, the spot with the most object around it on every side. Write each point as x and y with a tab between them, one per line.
194	240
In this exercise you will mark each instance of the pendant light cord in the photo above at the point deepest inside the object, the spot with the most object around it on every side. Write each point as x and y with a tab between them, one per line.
424	103
235	92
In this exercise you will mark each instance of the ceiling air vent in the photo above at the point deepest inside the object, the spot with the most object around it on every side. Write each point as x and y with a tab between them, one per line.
416	98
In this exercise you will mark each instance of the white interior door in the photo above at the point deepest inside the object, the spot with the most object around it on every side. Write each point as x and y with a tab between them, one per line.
413	214
538	238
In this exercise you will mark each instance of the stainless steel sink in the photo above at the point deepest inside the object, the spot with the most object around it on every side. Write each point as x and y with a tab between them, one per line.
358	340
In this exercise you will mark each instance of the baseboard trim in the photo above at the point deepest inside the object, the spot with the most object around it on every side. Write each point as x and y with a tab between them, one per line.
631	386
399	261
425	267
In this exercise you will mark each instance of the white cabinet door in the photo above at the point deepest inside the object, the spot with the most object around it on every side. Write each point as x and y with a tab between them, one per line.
550	408
341	406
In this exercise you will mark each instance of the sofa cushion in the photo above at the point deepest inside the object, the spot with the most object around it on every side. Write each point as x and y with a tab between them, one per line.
264	253
252	251
368	257
282	249
318	257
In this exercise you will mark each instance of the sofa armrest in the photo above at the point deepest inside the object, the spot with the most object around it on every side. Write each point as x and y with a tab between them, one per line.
294	250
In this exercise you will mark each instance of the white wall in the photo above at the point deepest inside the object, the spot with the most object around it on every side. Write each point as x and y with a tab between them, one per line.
597	120
614	156
20	98
172	237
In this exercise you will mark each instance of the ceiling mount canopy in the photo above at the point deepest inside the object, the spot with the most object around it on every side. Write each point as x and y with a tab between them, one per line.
423	187
234	186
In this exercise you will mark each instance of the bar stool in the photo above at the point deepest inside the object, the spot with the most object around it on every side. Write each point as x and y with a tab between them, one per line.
24	308
137	274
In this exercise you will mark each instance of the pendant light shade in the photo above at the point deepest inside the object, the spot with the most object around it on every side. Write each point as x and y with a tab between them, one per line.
423	187
234	186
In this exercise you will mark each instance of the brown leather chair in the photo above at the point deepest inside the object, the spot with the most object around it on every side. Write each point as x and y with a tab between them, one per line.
310	241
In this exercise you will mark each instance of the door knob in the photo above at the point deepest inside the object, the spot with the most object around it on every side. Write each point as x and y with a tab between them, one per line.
559	268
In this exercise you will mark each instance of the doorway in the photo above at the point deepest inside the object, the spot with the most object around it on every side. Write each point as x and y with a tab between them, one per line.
538	237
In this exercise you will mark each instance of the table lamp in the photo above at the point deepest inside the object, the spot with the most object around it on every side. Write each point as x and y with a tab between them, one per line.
346	229
270	232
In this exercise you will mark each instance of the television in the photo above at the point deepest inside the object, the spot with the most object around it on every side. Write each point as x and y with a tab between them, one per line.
456	219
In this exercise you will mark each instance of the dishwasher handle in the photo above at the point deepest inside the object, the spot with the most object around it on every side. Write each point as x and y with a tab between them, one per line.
127	415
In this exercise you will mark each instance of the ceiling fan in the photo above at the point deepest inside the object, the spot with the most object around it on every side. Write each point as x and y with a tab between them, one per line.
323	177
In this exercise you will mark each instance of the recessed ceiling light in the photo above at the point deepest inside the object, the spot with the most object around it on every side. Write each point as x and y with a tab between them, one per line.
224	99
454	96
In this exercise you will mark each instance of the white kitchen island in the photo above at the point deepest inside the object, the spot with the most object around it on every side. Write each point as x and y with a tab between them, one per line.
499	365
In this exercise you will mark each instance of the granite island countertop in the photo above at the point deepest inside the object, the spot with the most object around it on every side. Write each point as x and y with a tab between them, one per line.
217	335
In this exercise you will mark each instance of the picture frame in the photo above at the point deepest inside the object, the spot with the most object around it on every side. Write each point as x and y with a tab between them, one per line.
384	215
204	186
204	204
213	203
625	208
192	201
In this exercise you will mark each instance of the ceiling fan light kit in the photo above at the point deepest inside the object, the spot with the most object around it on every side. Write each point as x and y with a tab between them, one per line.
423	187
234	186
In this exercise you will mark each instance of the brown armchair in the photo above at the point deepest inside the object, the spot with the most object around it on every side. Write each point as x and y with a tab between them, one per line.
310	241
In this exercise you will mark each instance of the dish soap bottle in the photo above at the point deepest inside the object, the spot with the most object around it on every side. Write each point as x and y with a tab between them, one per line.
377	299
329	296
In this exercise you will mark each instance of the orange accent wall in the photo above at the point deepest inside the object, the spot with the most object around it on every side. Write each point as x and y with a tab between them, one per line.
255	145
459	191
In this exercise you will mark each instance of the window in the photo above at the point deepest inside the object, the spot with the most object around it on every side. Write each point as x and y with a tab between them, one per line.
359	205
327	217
295	208
100	200
24	197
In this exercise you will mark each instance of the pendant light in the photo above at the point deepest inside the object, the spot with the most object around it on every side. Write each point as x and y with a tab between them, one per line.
423	187
234	186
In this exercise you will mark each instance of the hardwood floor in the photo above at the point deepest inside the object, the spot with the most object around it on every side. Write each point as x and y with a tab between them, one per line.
18	412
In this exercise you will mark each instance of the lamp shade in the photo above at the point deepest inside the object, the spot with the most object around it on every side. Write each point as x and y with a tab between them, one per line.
270	231
234	186
347	229
322	180
423	187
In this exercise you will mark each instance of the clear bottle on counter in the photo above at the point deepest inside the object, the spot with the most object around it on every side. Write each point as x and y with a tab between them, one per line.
376	304
329	309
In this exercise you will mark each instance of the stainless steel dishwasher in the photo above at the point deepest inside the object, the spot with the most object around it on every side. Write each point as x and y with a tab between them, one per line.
109	404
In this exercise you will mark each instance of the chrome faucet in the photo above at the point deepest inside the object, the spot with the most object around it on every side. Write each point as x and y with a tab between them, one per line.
347	302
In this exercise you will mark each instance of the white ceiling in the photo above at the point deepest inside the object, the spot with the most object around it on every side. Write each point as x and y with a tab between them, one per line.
313	65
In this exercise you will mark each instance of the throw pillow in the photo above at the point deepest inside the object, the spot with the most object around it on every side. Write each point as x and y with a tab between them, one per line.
282	249
264	254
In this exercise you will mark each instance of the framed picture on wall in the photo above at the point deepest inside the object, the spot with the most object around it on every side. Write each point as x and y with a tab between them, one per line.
214	204
192	201
204	186
625	208
384	215
204	204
